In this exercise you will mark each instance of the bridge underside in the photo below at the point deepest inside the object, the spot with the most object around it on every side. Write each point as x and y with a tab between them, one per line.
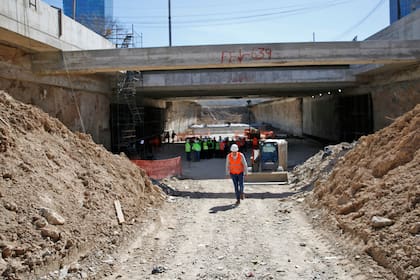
245	82
279	70
293	81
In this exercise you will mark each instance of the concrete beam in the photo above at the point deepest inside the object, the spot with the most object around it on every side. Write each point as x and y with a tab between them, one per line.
284	81
228	56
221	78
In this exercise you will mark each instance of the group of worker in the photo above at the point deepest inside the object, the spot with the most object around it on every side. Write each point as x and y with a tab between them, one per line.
200	148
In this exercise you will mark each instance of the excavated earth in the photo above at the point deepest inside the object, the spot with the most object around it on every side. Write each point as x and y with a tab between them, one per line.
350	212
57	194
373	194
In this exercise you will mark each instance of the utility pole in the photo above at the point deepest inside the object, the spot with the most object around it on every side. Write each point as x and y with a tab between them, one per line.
74	9
170	26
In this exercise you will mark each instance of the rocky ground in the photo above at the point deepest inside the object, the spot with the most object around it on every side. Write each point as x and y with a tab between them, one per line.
200	234
350	212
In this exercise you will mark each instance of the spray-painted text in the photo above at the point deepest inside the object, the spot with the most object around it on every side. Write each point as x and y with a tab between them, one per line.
243	56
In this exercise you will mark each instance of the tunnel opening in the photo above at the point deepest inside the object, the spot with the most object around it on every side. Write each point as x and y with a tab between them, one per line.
135	136
356	117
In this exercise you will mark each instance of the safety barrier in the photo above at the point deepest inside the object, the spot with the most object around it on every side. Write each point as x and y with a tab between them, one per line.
159	169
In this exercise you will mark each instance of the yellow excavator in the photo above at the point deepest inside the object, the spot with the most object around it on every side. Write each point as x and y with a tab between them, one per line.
268	162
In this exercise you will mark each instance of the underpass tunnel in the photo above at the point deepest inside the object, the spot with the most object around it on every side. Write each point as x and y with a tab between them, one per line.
331	119
355	117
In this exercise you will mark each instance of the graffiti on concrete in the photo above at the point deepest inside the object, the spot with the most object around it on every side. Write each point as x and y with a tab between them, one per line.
238	57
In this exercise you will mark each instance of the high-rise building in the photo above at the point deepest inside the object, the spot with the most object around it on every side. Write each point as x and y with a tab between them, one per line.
94	14
401	8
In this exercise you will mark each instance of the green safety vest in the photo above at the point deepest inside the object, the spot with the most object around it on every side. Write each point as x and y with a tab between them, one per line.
205	147
187	147
196	147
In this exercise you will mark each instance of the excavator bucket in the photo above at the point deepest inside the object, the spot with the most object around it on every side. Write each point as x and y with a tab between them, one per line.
275	176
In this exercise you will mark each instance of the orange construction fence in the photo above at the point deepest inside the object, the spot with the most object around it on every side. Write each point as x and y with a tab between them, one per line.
159	169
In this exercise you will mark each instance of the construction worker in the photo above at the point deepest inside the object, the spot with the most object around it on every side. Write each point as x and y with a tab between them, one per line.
205	148
222	148
188	149
196	147
254	143
217	149
237	168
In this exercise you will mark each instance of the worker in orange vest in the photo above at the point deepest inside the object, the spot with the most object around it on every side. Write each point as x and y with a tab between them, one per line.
237	168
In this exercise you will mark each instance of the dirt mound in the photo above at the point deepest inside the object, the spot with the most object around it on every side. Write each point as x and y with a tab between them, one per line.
57	193
374	194
320	165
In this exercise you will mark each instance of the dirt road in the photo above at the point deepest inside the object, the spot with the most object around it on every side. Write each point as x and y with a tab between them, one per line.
201	235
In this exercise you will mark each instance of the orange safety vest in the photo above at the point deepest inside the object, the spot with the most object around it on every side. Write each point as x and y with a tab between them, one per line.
235	165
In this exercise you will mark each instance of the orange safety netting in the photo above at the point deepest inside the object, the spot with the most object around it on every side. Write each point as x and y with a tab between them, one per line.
159	169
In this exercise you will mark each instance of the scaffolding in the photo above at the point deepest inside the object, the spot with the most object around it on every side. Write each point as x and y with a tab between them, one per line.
124	39
128	124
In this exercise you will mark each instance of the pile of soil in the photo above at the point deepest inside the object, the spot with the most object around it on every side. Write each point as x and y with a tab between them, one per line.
373	194
320	165
57	194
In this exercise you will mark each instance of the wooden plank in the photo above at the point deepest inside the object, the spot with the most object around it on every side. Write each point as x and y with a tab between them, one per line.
5	122
120	214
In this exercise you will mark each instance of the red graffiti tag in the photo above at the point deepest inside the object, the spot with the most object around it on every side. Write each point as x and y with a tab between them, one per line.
242	56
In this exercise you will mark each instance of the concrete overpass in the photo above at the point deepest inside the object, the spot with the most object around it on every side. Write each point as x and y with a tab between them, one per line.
283	69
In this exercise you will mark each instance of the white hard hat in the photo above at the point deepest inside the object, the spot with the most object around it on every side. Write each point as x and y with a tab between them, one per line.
234	148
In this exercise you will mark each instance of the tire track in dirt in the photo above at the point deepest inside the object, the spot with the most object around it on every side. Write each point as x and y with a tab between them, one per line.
205	237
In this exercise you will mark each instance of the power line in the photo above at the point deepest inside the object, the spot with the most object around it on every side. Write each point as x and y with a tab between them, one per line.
284	9
369	14
236	19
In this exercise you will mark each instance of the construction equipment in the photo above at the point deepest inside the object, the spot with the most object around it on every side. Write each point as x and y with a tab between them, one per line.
269	162
259	133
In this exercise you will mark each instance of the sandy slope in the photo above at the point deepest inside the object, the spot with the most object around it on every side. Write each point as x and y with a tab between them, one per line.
57	192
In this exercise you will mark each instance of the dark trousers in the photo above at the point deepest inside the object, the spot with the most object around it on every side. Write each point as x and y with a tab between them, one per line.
238	184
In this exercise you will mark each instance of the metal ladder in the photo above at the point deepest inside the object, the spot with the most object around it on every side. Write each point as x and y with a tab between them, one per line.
126	89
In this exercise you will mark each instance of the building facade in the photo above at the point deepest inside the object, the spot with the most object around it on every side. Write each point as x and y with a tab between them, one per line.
401	8
97	15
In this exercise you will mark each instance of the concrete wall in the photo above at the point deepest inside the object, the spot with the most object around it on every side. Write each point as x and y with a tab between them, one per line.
393	100
407	28
181	114
396	93
320	117
62	97
80	102
41	23
90	108
284	114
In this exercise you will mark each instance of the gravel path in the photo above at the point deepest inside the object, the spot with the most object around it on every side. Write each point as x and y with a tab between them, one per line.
202	235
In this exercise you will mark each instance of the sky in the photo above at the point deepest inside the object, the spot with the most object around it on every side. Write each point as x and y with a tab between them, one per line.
210	22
